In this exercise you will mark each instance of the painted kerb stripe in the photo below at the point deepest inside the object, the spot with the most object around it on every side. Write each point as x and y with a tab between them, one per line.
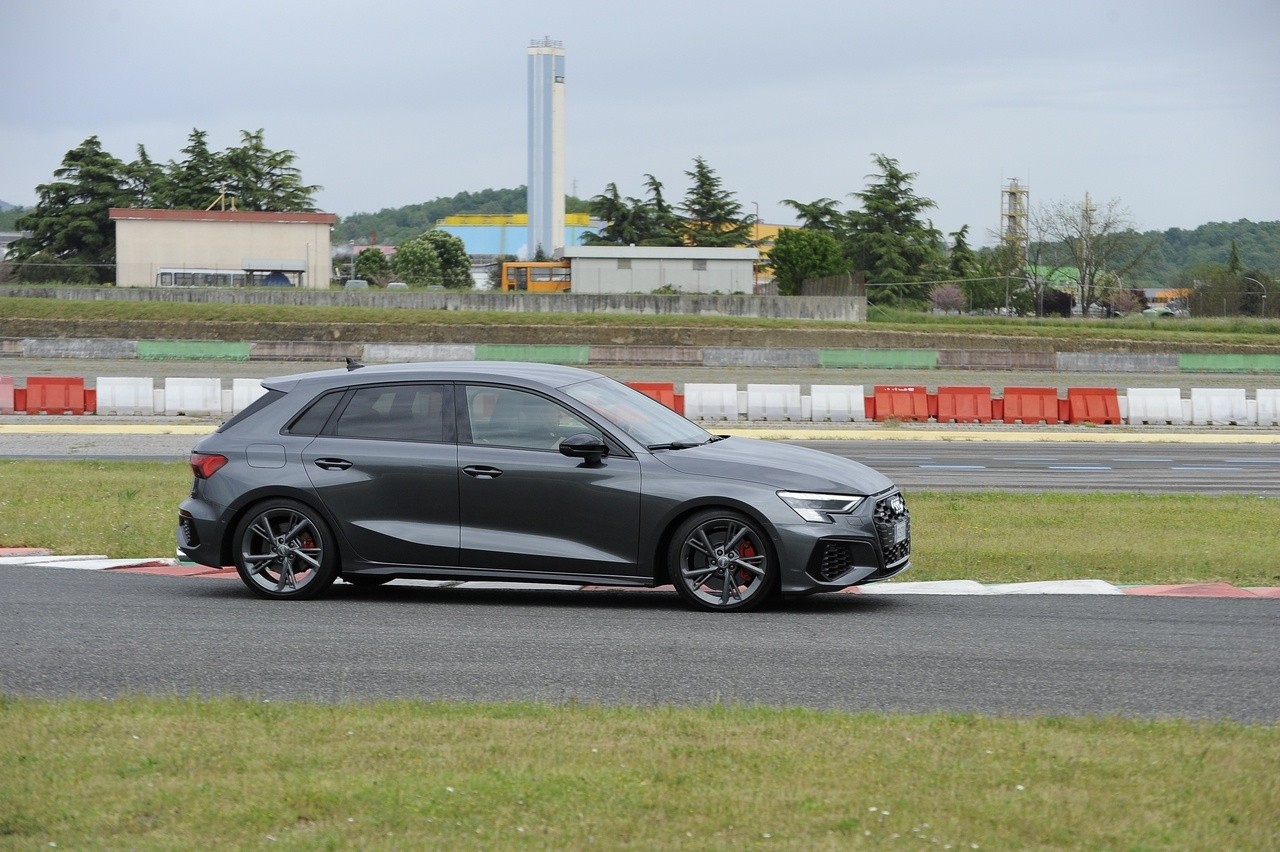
1198	363
879	358
202	350
547	353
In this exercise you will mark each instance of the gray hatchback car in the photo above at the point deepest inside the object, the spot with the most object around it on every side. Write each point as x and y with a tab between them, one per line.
524	472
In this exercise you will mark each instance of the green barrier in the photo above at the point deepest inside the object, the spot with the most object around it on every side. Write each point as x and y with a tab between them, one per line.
546	353
879	359
193	350
1192	363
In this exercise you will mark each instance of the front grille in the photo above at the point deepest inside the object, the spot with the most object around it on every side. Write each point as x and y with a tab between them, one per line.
889	512
836	558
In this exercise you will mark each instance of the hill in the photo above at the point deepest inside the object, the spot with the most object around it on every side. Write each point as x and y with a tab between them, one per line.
394	225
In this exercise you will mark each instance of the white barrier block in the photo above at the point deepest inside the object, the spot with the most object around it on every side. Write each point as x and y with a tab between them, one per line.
711	401
839	403
1219	407
192	396
1155	405
244	392
126	395
773	402
1268	407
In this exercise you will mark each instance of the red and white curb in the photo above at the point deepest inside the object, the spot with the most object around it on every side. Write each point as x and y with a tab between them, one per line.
37	558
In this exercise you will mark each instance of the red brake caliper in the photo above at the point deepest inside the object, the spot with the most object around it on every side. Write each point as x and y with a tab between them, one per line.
745	551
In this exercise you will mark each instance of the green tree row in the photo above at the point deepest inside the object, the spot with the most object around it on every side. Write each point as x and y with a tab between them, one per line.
394	225
433	258
72	236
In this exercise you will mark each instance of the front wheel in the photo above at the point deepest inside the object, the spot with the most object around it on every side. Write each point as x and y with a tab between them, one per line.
721	561
284	549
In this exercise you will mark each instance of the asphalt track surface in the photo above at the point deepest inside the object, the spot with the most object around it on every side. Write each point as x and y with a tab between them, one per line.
107	634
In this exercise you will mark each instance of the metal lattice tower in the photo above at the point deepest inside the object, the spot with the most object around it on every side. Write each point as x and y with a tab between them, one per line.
1014	209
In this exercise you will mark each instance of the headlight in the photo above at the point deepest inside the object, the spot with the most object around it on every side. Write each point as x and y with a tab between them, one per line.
818	508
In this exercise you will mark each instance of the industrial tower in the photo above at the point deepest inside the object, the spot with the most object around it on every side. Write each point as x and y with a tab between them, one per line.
1013	219
546	147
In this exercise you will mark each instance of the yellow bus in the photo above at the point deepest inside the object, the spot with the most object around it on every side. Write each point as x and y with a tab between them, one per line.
536	276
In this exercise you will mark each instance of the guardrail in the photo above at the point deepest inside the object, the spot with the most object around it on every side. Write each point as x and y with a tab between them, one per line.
711	402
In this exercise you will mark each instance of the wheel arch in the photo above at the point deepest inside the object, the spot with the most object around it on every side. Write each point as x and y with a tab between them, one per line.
251	499
674	518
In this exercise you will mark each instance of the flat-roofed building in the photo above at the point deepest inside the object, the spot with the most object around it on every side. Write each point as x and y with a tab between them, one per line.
644	269
209	248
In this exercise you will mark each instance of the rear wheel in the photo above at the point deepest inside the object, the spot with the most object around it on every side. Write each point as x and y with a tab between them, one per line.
720	560
284	549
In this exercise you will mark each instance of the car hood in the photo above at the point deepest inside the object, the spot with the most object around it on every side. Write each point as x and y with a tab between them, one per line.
781	466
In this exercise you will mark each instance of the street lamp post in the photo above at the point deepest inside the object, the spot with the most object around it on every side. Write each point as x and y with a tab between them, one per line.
1263	288
755	266
352	276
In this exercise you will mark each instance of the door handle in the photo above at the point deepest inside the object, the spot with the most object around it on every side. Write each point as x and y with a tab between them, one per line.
332	464
480	471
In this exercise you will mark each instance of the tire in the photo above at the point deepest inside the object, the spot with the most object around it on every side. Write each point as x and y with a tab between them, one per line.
285	551
721	561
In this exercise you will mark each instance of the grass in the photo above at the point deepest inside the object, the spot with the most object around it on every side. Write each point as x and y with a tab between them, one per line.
1225	331
129	509
154	773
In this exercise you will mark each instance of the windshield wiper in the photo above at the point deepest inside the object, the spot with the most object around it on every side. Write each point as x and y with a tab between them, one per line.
677	445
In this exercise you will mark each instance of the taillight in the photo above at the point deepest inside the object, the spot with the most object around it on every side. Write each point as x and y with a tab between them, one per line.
205	465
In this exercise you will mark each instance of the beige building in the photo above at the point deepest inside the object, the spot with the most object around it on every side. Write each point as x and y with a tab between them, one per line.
230	248
644	269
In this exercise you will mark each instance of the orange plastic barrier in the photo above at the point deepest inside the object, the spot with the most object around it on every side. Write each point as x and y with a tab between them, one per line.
958	404
90	401
901	402
55	395
1030	405
1094	405
6	394
663	392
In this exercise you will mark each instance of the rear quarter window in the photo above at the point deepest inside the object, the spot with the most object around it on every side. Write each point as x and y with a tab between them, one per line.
253	408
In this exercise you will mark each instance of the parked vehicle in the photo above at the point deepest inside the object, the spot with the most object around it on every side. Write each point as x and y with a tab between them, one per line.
524	472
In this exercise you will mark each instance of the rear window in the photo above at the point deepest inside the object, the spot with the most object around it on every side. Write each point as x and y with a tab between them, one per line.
253	408
311	421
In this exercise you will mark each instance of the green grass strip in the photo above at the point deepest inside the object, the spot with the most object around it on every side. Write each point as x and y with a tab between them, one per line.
143	773
129	509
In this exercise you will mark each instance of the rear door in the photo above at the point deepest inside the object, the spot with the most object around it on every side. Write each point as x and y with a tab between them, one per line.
524	507
386	468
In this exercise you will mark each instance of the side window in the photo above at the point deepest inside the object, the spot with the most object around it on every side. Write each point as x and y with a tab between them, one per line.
311	421
512	418
395	412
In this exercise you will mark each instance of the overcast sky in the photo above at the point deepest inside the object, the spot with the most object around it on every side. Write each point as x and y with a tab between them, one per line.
1171	107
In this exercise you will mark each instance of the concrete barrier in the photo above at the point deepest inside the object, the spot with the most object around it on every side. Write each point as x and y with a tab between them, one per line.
1219	407
125	395
773	402
1154	405
838	403
711	401
243	393
192	396
1268	407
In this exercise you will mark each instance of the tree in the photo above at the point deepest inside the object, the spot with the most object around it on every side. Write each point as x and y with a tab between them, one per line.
801	253
620	217
262	179
712	217
961	261
1099	243
821	215
662	226
947	297
416	263
887	238
146	180
372	265
455	265
197	181
71	220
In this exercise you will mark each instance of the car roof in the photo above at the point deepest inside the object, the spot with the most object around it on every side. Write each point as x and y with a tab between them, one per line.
525	372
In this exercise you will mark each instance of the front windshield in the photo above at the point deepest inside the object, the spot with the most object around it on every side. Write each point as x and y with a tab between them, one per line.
643	418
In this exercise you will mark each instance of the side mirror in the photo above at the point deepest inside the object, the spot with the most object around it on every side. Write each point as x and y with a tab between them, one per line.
590	448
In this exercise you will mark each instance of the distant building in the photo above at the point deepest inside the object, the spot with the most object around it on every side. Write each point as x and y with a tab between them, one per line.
210	248
507	234
642	269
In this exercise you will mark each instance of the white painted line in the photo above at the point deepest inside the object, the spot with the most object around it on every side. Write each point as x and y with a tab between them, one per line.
1079	467
1055	587
1204	467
